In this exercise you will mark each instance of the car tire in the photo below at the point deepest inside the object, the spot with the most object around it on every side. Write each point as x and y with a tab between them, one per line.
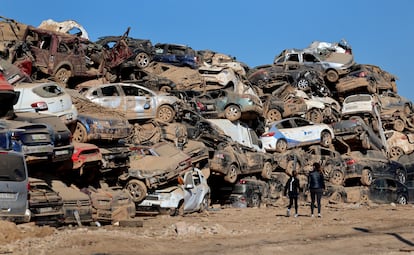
165	88
267	170
326	138
62	76
80	134
337	177
314	115
255	200
281	145
232	173
400	175
402	200
179	211
273	115
142	60
303	84
165	113
332	76
137	190
366	177
399	125
232	112
396	152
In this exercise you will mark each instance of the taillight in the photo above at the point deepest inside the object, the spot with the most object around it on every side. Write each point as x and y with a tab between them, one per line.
268	134
39	106
362	74
28	186
201	106
242	182
350	162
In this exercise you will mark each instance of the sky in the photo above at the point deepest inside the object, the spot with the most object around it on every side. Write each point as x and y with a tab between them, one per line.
380	31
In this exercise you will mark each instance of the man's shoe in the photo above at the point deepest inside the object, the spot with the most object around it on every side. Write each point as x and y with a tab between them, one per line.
296	215
319	215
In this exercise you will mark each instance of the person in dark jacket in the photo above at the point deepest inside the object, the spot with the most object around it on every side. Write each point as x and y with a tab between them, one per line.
316	186
292	190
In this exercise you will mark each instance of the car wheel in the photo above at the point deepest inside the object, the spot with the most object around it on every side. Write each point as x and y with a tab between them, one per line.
396	152
273	115
232	173
399	125
179	211
326	138
402	200
205	203
137	190
255	200
337	177
281	145
80	134
332	76
62	76
142	60
314	115
232	112
366	177
165	88
267	170
400	175
165	113
407	109
303	84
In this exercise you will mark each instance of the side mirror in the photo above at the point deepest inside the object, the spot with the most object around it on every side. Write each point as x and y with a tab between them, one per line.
189	186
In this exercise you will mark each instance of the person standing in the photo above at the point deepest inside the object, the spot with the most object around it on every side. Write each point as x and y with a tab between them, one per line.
292	190
316	186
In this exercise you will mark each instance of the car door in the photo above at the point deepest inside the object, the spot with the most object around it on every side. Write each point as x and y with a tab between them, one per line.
378	190
140	102
193	191
108	96
305	131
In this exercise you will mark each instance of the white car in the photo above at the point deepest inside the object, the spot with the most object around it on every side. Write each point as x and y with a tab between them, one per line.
47	98
359	104
292	132
135	101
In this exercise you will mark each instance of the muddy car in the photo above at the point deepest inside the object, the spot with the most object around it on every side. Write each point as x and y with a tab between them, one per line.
151	81
153	166
192	194
233	160
388	190
45	204
176	54
399	143
275	108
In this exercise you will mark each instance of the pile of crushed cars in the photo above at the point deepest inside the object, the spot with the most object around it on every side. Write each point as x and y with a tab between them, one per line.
120	127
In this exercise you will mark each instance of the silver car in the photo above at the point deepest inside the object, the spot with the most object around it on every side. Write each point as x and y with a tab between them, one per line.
191	195
135	101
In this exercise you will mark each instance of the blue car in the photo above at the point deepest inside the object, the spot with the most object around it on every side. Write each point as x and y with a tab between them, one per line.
292	132
175	54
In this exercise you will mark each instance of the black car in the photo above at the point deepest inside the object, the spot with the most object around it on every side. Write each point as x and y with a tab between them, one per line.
366	165
388	190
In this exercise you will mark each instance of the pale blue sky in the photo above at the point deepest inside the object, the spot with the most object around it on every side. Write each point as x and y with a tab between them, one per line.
380	32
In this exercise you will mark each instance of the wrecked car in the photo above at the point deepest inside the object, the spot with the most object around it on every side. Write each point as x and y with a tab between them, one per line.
388	190
151	81
399	143
176	54
152	167
135	101
276	108
192	194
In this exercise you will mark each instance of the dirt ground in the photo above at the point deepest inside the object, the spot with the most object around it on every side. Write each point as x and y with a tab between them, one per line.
344	229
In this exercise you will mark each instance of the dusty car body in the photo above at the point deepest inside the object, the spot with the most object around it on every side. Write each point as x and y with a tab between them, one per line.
176	54
275	108
135	101
151	81
248	192
67	26
152	167
399	143
77	207
191	195
388	190
370	164
391	100
48	98
86	156
233	106
110	204
233	159
45	204
332	64
8	97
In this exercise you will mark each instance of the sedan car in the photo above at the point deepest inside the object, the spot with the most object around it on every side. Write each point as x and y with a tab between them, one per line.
388	190
192	194
48	98
364	166
135	101
291	132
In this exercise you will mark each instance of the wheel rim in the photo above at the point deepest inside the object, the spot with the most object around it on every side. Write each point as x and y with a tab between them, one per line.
63	75
281	145
267	170
274	115
326	139
396	152
232	174
80	133
165	114
400	176
303	84
337	177
402	200
135	190
399	125
233	113
315	116
142	60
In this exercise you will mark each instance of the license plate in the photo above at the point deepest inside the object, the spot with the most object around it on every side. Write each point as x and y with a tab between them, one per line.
63	152
37	149
11	196
45	209
39	137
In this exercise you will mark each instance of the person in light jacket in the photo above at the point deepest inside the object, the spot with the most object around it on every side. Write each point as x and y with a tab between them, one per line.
316	186
292	191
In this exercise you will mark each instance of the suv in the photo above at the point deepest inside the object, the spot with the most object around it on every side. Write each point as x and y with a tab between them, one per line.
332	64
176	54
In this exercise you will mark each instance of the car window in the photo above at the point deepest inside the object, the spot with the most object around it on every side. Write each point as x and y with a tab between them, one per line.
309	58
48	91
133	91
109	91
196	178
301	122
12	168
284	124
358	98
293	58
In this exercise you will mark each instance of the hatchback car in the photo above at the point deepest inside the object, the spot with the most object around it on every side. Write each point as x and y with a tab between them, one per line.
291	132
176	54
13	187
48	98
399	143
135	101
388	190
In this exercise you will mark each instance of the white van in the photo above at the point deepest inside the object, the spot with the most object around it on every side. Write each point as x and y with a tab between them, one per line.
14	183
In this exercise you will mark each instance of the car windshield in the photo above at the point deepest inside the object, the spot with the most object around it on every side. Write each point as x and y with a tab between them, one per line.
357	98
48	90
12	168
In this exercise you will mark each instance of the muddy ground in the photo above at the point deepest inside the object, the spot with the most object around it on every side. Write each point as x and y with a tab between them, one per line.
344	229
